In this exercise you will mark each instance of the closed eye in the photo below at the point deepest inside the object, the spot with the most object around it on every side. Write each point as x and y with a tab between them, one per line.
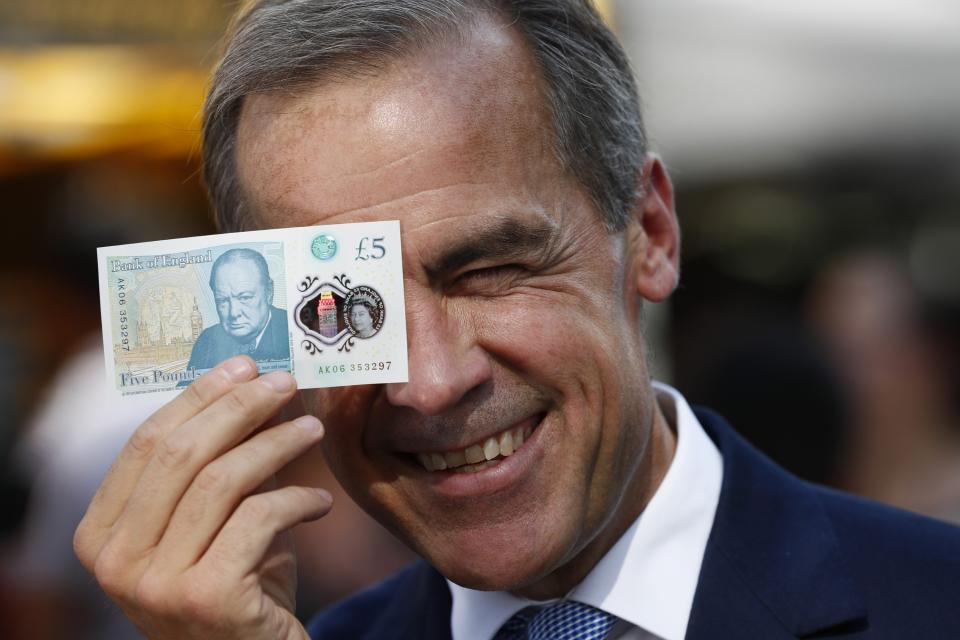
488	280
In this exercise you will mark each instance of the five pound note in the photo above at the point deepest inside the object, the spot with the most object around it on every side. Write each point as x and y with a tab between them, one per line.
324	303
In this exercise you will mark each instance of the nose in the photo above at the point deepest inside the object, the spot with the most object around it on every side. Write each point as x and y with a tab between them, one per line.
233	308
444	360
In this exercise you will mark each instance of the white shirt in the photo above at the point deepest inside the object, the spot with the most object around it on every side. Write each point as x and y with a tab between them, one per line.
256	343
649	577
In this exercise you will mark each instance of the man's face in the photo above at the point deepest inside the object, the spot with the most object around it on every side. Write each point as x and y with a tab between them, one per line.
243	299
522	310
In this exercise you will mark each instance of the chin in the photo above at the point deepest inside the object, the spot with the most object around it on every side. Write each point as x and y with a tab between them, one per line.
501	561
503	576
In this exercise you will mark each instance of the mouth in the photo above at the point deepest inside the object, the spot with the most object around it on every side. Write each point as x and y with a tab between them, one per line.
480	455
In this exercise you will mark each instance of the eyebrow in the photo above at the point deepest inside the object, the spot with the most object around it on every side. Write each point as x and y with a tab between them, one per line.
216	294
508	238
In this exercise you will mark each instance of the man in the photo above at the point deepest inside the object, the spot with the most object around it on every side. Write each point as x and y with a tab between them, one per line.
529	459
249	323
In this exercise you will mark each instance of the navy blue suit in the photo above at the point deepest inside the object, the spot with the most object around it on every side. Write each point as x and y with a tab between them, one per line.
785	559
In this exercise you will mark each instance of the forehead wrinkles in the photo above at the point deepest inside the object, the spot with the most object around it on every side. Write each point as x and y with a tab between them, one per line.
422	122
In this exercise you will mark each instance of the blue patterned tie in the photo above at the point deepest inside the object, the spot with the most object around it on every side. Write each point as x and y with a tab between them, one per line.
564	620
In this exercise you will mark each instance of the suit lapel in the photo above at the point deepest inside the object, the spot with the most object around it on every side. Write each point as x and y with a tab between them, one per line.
773	567
421	609
435	623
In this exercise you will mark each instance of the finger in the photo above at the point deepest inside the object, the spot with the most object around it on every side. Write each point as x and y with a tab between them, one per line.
120	480
222	484
244	540
188	449
112	495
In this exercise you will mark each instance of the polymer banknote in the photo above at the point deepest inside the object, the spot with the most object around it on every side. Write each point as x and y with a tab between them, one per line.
324	303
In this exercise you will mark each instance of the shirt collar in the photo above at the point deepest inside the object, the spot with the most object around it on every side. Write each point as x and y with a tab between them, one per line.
256	342
649	577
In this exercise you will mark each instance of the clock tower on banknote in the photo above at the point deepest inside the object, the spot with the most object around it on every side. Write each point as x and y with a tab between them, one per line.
196	321
143	335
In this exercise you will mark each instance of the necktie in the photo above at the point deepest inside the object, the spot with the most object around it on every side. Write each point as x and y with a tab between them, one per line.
564	620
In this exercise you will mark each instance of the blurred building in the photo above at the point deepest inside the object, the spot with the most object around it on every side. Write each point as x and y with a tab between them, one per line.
98	145
796	135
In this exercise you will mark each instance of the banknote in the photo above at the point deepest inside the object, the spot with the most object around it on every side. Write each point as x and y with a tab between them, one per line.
324	303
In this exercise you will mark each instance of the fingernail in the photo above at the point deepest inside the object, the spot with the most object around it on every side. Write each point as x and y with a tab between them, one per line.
309	424
279	381
238	368
324	494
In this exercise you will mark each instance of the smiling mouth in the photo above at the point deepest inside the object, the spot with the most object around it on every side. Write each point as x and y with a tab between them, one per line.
480	455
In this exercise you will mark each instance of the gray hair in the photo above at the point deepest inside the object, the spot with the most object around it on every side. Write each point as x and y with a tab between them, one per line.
288	44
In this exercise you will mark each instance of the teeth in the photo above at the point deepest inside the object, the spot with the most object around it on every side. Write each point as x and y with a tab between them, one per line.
477	457
474	454
425	461
439	463
506	443
455	459
491	448
473	468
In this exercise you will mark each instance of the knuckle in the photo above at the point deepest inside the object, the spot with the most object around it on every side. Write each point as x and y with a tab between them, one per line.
214	479
173	453
256	510
241	403
153	594
82	545
202	601
110	570
252	455
205	390
144	439
193	396
259	614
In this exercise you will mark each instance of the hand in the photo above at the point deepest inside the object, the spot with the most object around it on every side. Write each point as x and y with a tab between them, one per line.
186	533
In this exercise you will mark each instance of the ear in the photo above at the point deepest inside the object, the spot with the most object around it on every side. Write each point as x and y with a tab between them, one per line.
654	235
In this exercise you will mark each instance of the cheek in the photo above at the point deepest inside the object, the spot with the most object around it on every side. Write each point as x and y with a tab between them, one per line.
563	346
580	355
558	351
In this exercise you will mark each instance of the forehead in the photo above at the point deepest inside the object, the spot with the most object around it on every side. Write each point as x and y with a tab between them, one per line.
463	120
241	270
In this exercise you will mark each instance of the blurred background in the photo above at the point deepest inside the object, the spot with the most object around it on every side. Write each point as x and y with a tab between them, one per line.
815	148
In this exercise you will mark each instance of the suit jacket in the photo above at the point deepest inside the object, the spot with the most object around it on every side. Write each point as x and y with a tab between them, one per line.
214	345
785	559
